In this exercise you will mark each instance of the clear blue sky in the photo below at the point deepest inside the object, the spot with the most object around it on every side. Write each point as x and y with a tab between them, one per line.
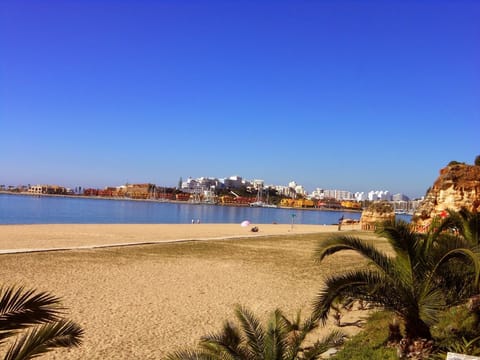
354	95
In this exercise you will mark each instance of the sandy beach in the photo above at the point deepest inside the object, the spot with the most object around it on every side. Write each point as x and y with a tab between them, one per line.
143	301
23	238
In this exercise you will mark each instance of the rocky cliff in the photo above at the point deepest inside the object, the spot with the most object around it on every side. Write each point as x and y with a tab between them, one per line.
457	186
377	212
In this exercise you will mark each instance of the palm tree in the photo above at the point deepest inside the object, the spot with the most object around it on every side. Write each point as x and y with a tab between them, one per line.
466	223
281	340
415	284
36	319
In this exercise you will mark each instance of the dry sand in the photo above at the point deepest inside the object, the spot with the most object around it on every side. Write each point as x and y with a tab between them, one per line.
141	302
22	238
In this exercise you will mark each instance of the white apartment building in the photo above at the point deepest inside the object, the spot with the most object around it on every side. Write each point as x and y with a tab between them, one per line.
360	196
338	194
284	190
300	190
258	184
201	183
376	195
317	193
234	182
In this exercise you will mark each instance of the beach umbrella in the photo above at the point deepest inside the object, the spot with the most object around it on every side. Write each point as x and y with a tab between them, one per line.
245	223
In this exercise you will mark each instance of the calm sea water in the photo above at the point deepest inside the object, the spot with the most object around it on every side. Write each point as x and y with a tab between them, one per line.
18	209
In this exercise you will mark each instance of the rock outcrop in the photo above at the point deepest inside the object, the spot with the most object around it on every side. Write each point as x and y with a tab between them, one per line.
377	212
458	186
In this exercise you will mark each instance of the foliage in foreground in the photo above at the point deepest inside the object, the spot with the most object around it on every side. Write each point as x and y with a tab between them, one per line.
370	343
281	339
428	274
35	320
456	331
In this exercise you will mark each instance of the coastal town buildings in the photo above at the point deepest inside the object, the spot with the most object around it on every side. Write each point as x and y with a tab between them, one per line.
284	191
336	194
233	190
203	183
379	195
400	197
49	189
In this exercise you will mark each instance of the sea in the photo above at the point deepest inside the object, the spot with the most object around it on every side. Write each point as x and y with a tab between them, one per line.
28	209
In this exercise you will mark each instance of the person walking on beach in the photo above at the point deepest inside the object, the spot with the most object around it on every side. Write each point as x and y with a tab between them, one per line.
340	221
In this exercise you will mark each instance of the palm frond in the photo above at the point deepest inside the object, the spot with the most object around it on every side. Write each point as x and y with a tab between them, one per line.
191	355
275	341
254	333
297	337
294	324
340	243
44	338
431	303
362	285
464	254
333	339
466	222
227	341
20	308
400	236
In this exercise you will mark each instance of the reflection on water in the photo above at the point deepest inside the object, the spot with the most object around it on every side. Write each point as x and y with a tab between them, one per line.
18	209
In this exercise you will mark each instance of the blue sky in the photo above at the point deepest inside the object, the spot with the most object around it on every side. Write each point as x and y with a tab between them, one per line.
354	95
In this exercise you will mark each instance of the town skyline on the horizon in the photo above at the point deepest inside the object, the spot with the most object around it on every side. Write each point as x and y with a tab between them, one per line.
181	181
346	95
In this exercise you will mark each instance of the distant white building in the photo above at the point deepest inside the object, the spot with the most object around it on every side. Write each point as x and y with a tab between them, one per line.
318	194
300	190
234	182
338	194
400	197
376	195
285	190
360	196
189	185
258	184
200	184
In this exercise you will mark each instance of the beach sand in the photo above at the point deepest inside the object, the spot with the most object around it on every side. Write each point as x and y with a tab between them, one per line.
144	301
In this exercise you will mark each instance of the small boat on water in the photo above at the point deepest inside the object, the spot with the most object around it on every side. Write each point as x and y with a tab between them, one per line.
262	204
259	201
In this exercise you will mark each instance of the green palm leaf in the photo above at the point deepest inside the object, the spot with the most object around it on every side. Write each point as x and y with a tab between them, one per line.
340	243
191	355
428	272
361	285
400	236
275	339
335	338
253	331
227	342
20	308
44	338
